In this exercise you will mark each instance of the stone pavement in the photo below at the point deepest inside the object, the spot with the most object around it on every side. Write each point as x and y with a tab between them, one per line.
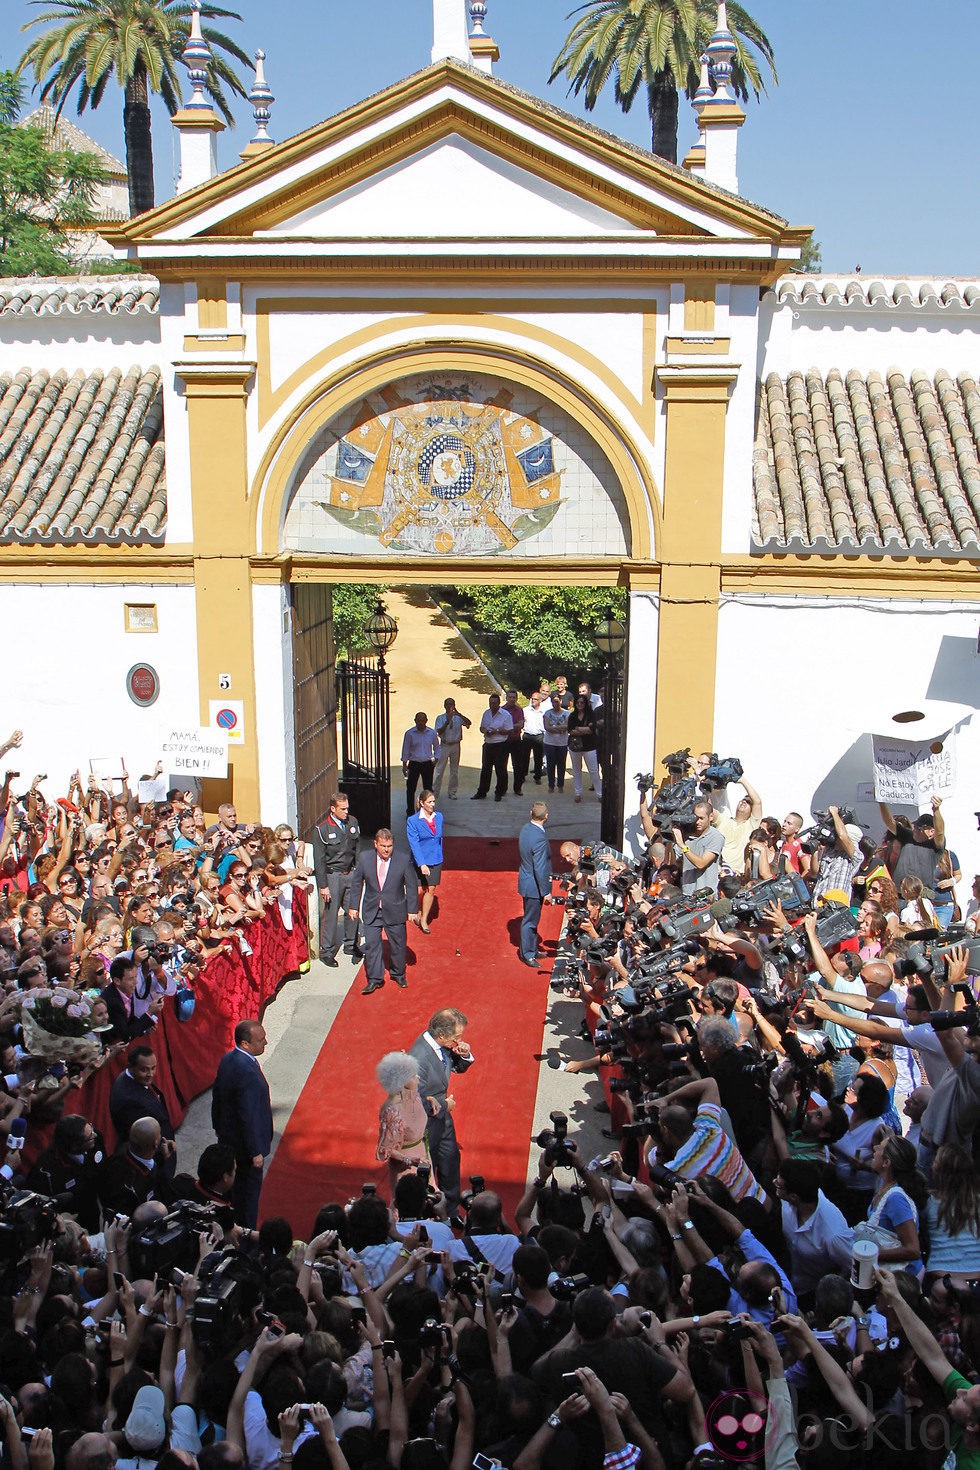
428	662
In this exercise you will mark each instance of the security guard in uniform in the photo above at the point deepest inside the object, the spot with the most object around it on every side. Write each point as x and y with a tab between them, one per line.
335	846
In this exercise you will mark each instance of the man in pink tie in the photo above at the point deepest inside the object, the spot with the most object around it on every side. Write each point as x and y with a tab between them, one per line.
384	887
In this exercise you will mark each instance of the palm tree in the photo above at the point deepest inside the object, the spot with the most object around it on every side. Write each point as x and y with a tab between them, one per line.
138	42
656	45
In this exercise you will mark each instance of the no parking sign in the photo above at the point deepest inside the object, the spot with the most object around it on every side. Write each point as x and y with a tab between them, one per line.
228	716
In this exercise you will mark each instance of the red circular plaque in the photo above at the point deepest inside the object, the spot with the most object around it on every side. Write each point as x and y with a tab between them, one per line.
143	684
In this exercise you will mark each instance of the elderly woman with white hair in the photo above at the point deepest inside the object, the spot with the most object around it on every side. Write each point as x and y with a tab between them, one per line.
402	1141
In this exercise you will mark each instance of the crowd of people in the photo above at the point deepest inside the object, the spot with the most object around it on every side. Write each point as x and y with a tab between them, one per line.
537	741
776	1262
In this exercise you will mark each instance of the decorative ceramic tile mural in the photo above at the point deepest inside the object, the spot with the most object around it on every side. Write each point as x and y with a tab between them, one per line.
467	467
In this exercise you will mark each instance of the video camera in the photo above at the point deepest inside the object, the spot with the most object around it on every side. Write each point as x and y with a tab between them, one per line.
230	1288
823	833
673	806
717	775
835	923
929	953
789	890
968	1017
28	1219
173	1240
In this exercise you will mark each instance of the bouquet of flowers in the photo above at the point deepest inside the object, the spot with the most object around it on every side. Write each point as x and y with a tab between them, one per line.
58	1025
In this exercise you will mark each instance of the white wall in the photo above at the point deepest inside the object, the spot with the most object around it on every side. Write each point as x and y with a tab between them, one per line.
87	341
800	681
641	708
274	732
69	690
863	339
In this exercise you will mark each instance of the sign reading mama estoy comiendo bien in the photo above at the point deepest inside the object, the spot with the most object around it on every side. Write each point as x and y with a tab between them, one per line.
195	751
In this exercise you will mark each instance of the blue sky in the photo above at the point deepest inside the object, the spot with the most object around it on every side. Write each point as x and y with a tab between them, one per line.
870	136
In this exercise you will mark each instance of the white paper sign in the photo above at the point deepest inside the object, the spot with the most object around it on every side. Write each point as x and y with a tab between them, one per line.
908	774
195	751
152	788
107	767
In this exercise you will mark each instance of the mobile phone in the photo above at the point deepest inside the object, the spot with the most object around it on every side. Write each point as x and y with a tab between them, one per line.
387	1348
486	1270
118	1280
359	1314
484	1462
423	1235
434	1257
570	1383
506	1300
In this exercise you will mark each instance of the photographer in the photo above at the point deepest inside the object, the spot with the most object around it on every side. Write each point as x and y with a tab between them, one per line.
691	1146
836	864
701	851
743	1091
953	1114
737	829
626	1356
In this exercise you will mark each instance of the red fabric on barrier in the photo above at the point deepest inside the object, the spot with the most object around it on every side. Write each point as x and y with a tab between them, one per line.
230	987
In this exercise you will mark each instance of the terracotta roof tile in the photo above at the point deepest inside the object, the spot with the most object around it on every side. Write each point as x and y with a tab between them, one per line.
82	457
876	463
44	295
875	293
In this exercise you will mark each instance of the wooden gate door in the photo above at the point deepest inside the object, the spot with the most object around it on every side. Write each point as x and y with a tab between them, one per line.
314	703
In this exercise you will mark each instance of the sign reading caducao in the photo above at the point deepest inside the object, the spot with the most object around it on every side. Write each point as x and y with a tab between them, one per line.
908	774
195	751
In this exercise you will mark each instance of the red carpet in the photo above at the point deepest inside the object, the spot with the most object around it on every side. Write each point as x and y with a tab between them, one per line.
469	960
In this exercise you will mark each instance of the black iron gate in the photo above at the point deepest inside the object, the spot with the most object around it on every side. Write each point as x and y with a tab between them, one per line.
612	749
365	773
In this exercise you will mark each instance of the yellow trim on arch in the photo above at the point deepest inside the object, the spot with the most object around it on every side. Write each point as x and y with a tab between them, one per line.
271	399
331	396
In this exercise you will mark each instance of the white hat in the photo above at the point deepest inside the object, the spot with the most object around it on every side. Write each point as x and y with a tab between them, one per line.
146	1427
854	832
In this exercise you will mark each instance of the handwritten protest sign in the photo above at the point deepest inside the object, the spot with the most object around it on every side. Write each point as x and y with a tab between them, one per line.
195	751
907	773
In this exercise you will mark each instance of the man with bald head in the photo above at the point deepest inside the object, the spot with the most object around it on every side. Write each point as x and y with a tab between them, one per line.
91	1452
136	1173
241	1115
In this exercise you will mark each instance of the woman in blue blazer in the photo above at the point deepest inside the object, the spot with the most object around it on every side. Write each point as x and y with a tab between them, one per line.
425	839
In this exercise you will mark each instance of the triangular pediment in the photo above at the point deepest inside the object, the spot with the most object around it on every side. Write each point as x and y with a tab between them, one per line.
451	154
453	187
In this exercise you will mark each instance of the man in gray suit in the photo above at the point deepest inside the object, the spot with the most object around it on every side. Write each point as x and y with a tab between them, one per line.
440	1051
389	885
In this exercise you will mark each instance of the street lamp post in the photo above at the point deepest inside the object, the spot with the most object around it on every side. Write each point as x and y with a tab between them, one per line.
381	630
366	725
610	639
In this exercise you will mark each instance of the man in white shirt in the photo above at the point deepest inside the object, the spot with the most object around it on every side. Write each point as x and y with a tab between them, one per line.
495	727
533	737
815	1230
449	728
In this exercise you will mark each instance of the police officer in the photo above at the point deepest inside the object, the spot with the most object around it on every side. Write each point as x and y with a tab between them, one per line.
335	844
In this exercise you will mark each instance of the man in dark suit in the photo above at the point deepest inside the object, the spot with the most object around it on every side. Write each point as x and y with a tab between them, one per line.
133	1095
533	880
135	1174
241	1116
440	1051
389	885
124	973
335	845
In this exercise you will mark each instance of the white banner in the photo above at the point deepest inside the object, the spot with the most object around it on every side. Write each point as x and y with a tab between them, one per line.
909	774
195	751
